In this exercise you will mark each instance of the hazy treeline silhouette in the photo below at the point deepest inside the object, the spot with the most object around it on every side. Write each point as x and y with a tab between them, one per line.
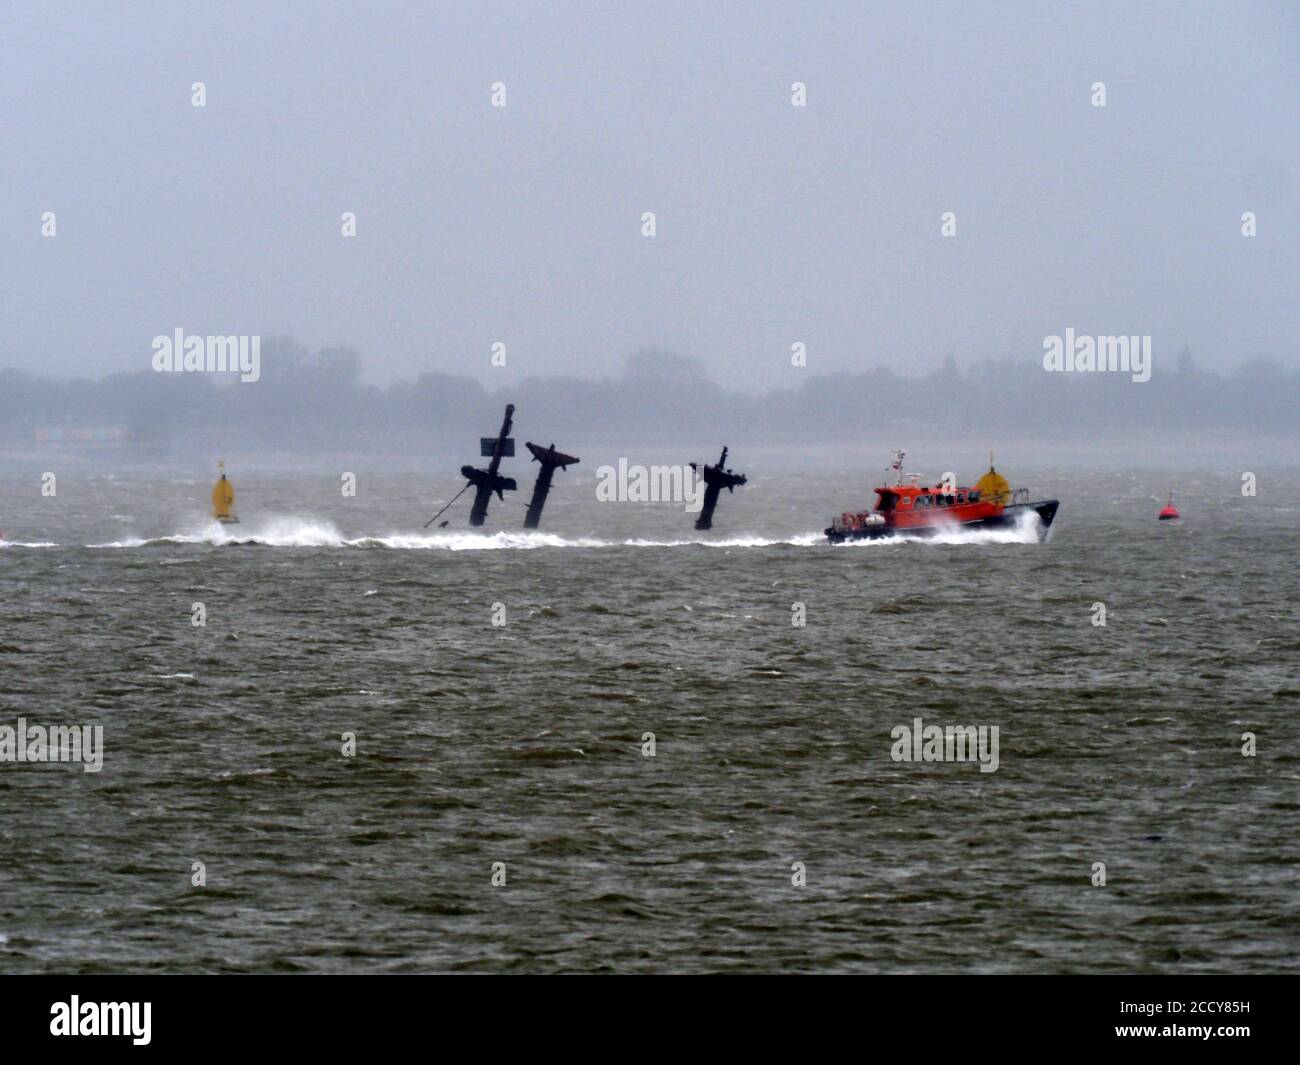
308	402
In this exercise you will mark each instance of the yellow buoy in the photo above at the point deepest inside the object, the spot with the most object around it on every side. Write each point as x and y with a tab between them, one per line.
223	499
993	487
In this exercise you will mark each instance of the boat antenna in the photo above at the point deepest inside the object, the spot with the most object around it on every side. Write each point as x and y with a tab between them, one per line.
897	466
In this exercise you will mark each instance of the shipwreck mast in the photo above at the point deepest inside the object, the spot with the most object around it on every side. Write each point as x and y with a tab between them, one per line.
487	481
716	478
549	458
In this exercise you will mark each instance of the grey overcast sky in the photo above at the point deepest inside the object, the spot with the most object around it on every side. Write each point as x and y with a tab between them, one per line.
522	224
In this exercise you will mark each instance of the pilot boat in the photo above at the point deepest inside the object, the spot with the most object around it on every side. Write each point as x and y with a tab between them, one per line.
909	511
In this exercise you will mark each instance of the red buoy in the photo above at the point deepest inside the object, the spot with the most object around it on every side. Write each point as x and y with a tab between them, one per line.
1170	511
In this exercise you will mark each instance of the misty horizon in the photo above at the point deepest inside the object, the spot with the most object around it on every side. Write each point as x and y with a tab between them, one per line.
309	403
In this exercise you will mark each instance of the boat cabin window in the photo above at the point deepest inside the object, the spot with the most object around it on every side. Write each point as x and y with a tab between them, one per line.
961	497
886	501
975	496
922	501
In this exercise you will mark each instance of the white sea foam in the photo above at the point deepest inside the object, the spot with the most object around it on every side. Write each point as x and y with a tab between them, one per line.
275	532
468	541
312	532
797	540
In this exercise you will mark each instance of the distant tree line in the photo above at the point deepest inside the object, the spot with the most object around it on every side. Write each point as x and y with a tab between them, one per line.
309	402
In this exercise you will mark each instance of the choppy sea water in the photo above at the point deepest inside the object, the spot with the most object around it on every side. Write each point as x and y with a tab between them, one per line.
523	743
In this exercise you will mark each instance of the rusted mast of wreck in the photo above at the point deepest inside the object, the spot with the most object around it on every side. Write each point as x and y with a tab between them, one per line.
487	481
716	478
549	458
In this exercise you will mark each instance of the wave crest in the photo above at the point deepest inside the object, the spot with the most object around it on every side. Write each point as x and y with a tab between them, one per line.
310	532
